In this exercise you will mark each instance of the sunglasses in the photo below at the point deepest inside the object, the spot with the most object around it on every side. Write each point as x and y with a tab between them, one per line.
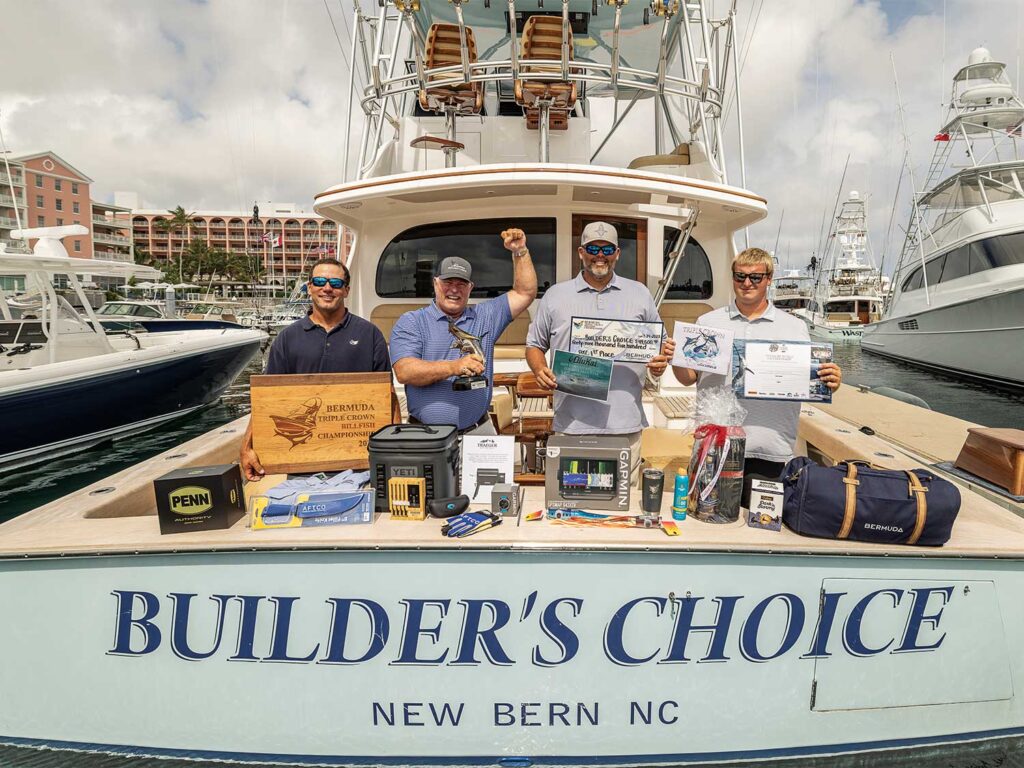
606	250
755	278
337	283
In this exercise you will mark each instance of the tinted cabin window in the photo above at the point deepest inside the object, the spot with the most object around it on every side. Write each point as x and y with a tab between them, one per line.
933	269
915	281
692	279
957	264
406	268
1001	251
847	307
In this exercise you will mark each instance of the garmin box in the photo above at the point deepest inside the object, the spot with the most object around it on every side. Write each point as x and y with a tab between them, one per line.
587	472
199	498
428	451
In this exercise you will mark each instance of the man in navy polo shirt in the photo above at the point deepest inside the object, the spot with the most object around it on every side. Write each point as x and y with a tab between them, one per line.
421	343
330	339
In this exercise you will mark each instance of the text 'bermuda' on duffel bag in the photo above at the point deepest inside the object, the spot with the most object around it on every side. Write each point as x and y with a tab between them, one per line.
855	500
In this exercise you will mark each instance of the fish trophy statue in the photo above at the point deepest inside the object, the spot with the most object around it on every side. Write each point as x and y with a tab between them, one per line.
467	344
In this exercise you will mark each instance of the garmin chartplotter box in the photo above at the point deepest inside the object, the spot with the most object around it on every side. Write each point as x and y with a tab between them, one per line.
587	472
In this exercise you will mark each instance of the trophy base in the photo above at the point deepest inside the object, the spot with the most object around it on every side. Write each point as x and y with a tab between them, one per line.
467	383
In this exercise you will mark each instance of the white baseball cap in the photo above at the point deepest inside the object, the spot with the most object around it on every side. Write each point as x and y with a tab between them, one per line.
599	230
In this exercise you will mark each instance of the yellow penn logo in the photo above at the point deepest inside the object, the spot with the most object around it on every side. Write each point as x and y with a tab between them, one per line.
190	500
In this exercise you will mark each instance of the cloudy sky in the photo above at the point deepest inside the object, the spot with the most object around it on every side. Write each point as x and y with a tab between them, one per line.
216	104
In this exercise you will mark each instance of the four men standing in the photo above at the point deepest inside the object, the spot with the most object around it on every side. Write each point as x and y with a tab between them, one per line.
429	364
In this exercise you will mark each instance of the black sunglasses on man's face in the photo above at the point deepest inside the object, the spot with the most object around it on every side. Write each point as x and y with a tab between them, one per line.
755	278
337	283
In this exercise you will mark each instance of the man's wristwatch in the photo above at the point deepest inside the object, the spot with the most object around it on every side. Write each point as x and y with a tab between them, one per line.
521	252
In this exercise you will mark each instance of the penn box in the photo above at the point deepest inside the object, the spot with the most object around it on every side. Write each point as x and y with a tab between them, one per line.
199	498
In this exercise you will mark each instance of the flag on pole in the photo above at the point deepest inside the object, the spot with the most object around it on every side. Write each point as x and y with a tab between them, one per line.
273	240
941	137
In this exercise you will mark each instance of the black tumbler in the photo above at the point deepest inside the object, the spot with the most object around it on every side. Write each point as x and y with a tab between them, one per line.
653	486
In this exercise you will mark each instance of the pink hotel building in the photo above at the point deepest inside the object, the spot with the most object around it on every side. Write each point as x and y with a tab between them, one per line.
301	238
50	192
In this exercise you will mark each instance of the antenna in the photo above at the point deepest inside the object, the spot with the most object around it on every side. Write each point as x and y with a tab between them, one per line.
778	234
10	178
915	213
822	246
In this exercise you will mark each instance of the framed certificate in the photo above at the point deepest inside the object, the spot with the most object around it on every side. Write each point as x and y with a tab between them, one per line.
621	341
780	370
582	376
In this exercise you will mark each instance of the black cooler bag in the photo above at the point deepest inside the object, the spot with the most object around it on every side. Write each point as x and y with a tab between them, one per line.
415	450
854	500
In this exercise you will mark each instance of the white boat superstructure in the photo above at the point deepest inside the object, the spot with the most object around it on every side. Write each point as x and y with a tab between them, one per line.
792	290
849	289
956	302
464	152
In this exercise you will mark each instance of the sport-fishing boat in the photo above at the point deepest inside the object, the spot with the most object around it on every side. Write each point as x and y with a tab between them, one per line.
535	643
68	381
848	287
956	303
792	290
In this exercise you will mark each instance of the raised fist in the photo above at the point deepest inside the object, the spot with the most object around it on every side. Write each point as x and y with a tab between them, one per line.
513	239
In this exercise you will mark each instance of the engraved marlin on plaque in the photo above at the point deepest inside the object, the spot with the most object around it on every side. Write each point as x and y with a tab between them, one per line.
297	426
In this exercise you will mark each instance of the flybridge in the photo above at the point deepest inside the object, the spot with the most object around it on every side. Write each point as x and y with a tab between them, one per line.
489	58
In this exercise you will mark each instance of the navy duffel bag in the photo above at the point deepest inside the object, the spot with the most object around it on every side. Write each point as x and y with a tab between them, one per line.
854	500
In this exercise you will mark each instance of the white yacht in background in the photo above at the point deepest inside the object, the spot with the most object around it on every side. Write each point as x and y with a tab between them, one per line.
848	288
792	290
957	303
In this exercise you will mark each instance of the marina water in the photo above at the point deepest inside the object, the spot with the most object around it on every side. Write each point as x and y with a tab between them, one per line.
30	487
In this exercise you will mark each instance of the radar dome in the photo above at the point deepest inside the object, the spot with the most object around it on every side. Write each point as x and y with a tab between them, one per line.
979	56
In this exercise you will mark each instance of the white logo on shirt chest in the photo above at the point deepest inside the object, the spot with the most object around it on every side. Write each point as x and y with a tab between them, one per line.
353	342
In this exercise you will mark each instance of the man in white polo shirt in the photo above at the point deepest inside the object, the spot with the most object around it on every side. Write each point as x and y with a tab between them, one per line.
770	424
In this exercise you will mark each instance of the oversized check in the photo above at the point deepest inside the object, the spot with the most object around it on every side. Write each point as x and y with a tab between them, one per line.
621	341
780	370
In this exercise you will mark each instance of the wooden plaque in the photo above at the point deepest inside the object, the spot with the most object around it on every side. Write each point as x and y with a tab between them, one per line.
317	422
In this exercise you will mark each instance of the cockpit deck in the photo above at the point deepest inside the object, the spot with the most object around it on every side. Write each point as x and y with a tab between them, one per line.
118	515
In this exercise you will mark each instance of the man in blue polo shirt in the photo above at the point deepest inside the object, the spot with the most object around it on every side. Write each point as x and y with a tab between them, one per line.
421	342
330	339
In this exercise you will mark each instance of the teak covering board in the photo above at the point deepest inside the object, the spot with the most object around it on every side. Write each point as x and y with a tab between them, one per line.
317	422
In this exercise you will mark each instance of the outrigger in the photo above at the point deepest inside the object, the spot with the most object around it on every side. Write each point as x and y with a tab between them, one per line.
537	643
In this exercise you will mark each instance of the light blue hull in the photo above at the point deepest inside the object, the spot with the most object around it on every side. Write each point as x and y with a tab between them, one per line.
494	657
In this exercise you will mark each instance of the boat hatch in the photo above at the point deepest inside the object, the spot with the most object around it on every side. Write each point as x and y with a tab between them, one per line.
892	628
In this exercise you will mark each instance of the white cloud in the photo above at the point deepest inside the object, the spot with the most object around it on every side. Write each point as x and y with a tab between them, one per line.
217	104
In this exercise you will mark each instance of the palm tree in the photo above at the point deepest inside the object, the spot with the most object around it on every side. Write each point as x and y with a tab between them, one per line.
181	223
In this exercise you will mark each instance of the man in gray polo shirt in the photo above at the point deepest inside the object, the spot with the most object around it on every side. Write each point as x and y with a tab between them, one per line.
596	292
770	424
